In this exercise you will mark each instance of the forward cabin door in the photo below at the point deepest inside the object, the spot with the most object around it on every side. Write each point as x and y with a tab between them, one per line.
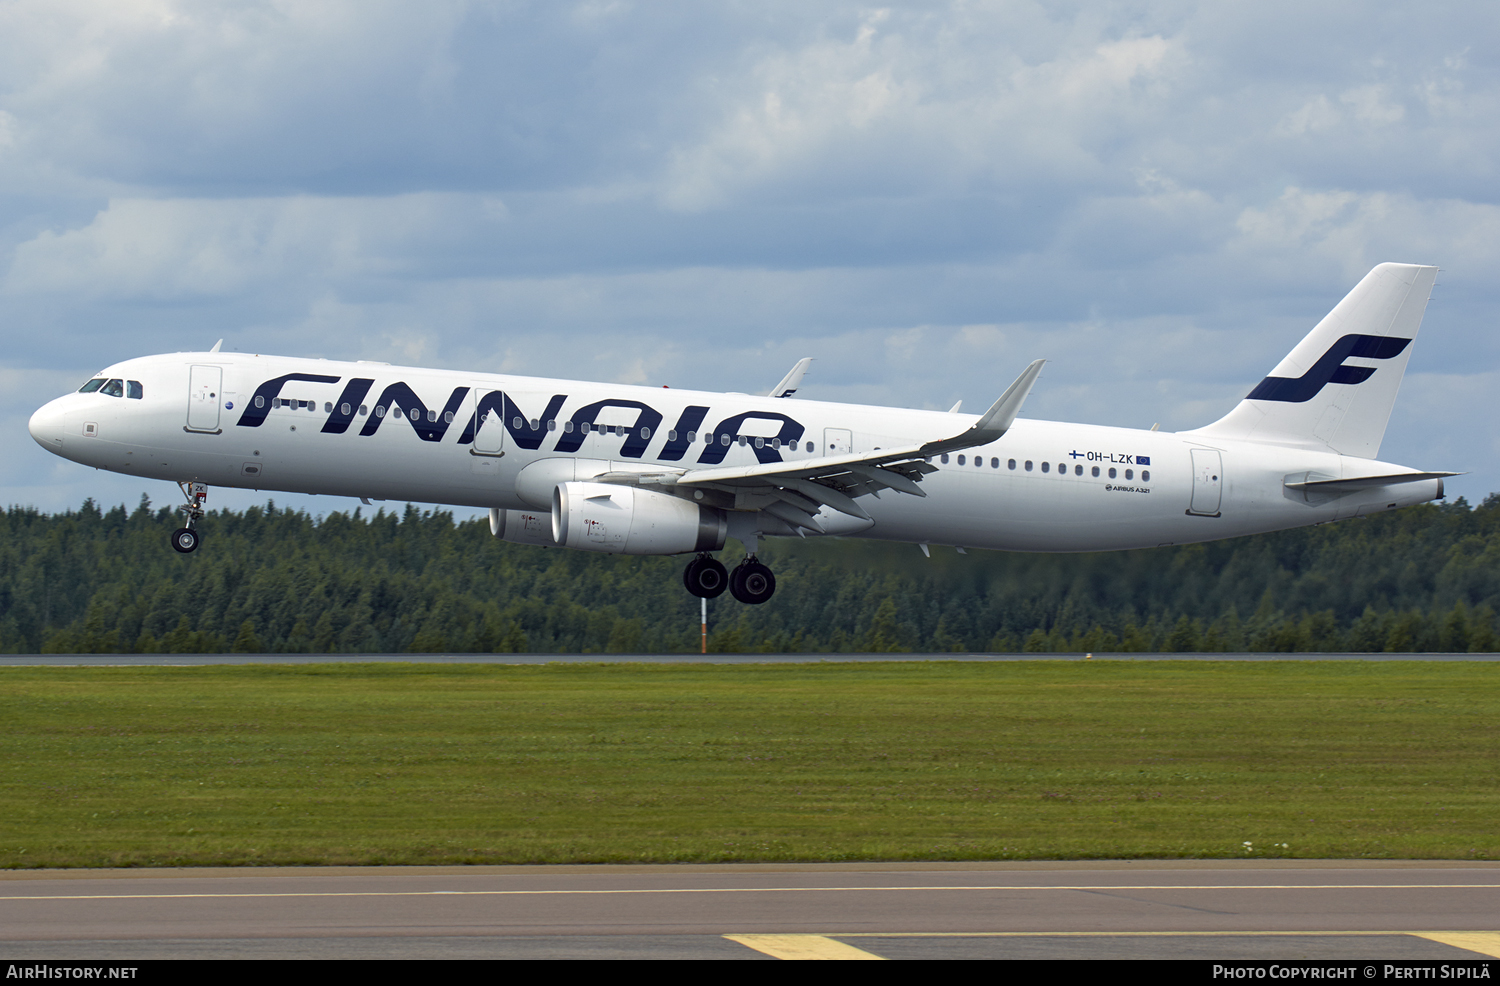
205	383
1208	482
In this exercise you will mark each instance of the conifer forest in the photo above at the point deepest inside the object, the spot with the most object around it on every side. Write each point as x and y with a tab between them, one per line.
270	580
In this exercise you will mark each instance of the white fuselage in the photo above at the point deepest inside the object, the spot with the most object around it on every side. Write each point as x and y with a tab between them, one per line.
1073	487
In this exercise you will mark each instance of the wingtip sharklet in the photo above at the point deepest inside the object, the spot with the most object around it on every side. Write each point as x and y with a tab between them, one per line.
995	422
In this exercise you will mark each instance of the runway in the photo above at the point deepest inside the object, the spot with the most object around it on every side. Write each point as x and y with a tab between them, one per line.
1220	910
197	660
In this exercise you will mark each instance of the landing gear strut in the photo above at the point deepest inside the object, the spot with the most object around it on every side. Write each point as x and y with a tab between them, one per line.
185	539
705	577
751	582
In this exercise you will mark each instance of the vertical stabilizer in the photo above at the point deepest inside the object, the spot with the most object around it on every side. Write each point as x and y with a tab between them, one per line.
1335	390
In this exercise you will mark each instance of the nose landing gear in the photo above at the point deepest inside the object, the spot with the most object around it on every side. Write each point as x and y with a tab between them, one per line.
185	539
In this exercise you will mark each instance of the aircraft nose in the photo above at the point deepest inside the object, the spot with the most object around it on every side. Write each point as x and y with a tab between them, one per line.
46	426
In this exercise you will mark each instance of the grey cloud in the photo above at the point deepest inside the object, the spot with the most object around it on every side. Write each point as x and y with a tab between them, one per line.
1161	197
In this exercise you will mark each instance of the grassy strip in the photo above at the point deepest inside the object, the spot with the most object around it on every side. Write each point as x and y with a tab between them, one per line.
629	763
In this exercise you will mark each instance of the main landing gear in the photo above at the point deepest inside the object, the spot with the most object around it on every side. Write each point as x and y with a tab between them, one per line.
185	539
750	582
705	577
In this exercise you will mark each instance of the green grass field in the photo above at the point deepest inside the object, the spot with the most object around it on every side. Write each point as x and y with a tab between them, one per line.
381	764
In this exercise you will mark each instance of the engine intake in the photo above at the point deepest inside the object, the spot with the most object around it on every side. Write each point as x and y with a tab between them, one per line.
624	520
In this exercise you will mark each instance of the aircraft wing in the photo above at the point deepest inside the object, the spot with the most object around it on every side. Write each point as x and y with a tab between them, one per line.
795	491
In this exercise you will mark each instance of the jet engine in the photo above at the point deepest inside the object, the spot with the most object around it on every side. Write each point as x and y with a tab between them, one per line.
521	526
630	521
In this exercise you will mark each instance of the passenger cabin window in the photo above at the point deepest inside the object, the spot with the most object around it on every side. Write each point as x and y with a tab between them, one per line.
133	390
91	386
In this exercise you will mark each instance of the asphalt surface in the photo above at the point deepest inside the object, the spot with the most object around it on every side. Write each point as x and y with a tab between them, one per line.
1220	910
193	660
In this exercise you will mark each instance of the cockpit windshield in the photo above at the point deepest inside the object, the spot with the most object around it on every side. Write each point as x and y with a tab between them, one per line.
114	388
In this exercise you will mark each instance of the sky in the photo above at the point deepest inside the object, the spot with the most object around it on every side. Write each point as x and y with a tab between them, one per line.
1160	198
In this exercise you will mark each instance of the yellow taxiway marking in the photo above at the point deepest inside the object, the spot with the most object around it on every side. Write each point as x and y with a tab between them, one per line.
825	947
1105	888
803	947
1485	943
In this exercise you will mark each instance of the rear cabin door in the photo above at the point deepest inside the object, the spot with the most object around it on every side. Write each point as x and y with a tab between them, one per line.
205	383
1208	482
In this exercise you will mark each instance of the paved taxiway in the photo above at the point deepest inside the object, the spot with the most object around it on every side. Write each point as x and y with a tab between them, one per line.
1167	909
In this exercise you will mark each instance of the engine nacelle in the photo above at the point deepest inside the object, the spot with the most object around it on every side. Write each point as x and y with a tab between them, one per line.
625	520
521	526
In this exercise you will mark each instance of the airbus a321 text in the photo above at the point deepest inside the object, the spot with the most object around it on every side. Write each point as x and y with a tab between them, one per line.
656	471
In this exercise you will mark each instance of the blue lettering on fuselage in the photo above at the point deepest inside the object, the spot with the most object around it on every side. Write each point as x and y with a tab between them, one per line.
727	432
430	427
637	435
677	438
344	409
259	405
398	399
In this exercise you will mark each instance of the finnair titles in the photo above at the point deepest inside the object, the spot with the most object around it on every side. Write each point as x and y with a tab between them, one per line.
647	471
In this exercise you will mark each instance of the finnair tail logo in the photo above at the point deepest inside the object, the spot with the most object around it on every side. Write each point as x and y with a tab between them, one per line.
1330	368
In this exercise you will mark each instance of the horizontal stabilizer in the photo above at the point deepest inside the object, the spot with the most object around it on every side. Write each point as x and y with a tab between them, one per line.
1364	482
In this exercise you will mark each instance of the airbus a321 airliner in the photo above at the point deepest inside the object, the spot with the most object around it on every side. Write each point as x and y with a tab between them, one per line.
647	471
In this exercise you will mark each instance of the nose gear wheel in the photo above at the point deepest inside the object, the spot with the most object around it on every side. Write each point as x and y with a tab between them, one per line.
186	539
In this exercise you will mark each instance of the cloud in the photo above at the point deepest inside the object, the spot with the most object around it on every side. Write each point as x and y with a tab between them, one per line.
1161	198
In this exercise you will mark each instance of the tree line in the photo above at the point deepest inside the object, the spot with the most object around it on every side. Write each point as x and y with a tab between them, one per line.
273	580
